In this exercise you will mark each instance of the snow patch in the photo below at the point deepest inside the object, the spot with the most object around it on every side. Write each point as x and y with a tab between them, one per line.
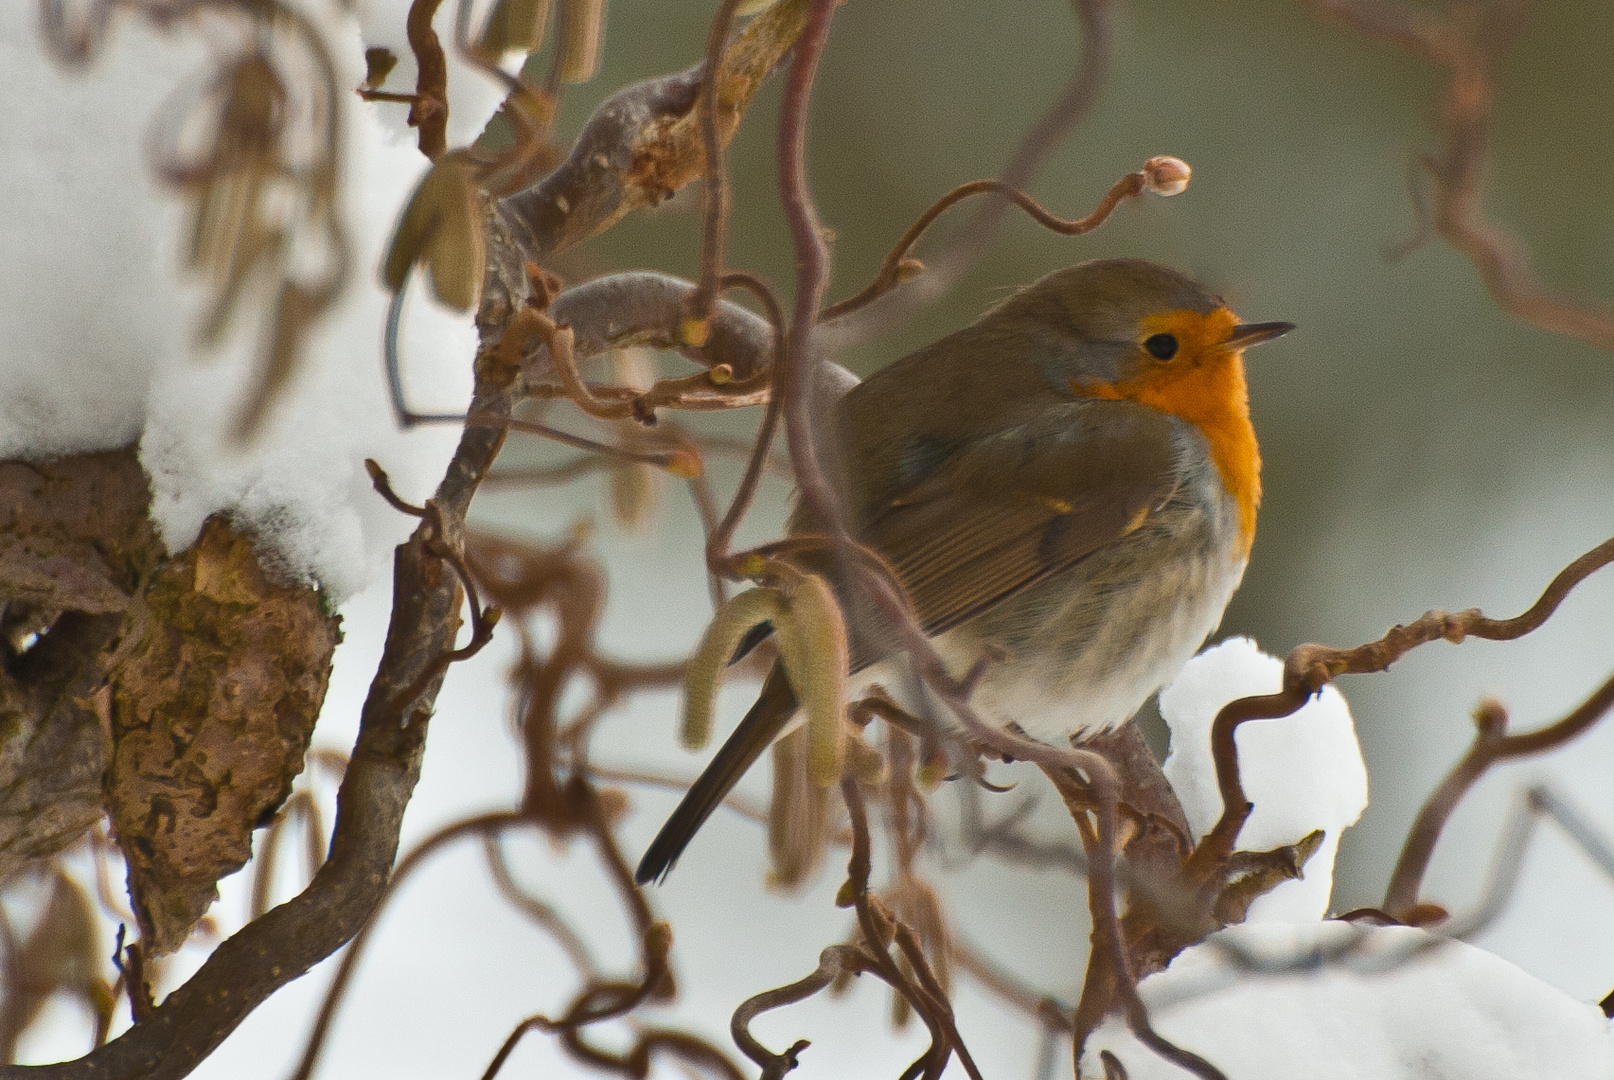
1393	1003
1302	772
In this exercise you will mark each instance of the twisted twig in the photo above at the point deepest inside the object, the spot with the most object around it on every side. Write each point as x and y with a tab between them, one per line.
1309	668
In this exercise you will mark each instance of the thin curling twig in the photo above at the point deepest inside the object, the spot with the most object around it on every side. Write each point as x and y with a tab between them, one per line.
483	619
680	462
1507	866
612	312
1492	745
898	267
914	953
428	112
512	84
797	381
1502	879
300	805
745	808
435	543
557	339
529	111
714	175
546	475
1072	105
1309	668
832	962
1110	981
717	544
644	142
1044	1008
710	390
692	1050
130	960
483	825
879	929
913	909
600	1001
700	493
1074	102
383	487
538	911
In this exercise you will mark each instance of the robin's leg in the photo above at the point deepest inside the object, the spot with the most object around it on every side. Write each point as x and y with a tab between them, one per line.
990	656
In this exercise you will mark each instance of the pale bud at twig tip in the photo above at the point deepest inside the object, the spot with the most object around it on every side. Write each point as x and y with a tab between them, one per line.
1166	175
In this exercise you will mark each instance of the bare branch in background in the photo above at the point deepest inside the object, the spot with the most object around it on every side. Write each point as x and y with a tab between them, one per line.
1469	41
1492	745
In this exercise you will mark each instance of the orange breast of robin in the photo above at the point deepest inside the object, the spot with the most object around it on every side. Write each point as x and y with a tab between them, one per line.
1203	384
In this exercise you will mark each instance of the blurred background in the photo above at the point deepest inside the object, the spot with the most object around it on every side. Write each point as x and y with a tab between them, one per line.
1422	449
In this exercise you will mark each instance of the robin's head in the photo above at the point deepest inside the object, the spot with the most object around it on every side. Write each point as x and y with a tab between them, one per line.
1125	322
1126	329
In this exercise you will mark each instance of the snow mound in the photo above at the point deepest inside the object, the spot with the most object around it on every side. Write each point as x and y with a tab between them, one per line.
1344	1002
1302	772
98	320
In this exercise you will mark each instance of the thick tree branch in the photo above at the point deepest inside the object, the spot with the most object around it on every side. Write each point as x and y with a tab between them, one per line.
268	953
644	142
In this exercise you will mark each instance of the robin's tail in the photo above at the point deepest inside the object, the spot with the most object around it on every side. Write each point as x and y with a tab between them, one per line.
762	724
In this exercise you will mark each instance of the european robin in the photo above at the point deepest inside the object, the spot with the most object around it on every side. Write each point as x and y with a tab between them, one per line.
1066	488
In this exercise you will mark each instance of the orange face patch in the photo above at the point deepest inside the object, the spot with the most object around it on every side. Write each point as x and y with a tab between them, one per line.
1204	385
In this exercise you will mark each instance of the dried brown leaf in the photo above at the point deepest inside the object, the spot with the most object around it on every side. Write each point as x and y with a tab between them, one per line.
442	229
296	312
798	817
513	26
243	160
378	64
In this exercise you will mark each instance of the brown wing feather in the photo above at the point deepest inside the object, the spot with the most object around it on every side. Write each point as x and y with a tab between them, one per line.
1024	504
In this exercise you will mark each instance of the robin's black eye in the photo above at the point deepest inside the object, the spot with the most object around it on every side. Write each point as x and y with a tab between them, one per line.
1161	346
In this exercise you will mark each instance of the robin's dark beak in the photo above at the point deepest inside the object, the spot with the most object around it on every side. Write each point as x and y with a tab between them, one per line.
1255	333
